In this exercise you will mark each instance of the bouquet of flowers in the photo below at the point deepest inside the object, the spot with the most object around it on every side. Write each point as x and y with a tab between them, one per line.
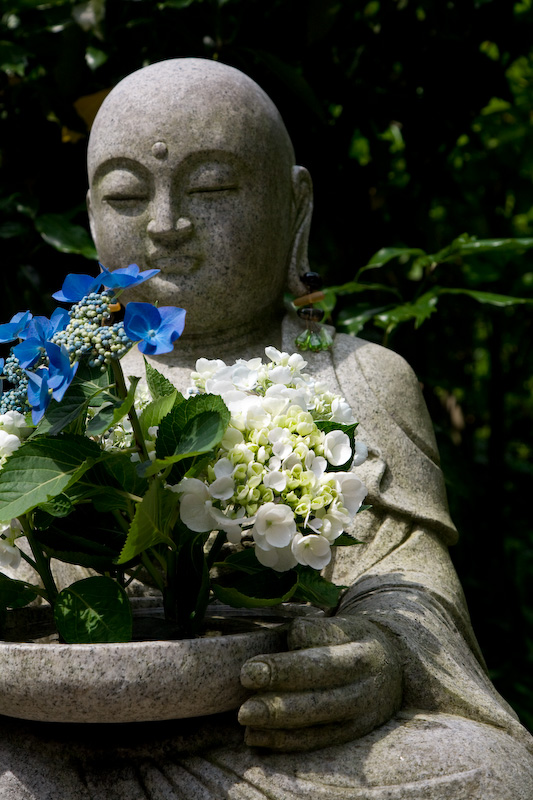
237	491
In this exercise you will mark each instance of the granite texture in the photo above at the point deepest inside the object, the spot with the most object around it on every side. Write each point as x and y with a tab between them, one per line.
128	682
191	170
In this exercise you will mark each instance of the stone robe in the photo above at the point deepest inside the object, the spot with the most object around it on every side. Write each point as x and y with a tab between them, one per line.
454	736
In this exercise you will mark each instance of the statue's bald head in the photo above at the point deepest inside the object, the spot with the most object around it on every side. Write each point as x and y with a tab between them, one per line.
218	101
191	171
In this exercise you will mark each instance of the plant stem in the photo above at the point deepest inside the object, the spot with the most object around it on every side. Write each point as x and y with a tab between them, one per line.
215	548
132	414
42	564
149	567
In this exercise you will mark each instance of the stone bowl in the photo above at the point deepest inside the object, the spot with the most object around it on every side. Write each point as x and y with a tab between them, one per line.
131	682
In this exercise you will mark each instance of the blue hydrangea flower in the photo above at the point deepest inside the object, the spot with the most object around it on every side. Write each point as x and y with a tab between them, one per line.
39	331
16	327
156	328
75	287
126	277
52	381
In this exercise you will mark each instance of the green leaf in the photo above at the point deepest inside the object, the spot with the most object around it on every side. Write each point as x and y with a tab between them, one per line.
501	300
355	321
74	542
243	561
154	412
15	594
262	589
345	540
87	389
173	426
201	435
158	385
315	589
119	470
60	506
466	245
43	468
109	415
387	254
58	231
93	610
419	311
152	523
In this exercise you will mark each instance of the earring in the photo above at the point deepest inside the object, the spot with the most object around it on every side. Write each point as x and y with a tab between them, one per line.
315	336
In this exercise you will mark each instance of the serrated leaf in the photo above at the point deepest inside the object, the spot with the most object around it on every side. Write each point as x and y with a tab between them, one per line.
158	385
151	524
15	594
315	589
43	468
174	424
93	610
201	434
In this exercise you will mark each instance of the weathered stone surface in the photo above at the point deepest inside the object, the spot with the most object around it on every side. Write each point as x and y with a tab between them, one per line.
191	170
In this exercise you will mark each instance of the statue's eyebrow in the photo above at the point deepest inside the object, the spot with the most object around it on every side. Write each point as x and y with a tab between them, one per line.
124	164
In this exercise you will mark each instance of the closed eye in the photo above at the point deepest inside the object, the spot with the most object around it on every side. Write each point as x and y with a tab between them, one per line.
124	203
213	189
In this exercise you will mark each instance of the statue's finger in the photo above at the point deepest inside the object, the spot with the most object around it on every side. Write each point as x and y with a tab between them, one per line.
375	698
313	668
323	631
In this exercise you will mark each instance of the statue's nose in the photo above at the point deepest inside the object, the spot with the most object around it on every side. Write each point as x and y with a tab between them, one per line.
164	225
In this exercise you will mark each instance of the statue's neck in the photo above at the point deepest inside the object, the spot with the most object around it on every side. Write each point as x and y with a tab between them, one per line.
230	344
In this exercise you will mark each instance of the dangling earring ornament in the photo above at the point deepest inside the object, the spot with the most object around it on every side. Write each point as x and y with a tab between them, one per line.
315	336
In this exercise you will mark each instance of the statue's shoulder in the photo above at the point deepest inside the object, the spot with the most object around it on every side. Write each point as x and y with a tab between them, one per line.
391	380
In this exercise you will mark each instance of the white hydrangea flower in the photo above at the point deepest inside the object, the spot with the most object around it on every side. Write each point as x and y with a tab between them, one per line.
195	504
274	526
337	447
361	454
8	444
9	555
271	468
341	411
14	422
281	559
311	550
353	491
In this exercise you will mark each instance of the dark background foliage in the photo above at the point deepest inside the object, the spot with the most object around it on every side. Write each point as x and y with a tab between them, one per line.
415	120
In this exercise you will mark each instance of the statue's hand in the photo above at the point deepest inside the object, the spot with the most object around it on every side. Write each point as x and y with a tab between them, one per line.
340	680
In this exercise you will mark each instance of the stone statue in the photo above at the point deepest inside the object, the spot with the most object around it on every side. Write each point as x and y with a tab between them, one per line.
191	171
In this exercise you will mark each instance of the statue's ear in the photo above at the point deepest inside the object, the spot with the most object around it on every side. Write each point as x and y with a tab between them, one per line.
302	192
92	226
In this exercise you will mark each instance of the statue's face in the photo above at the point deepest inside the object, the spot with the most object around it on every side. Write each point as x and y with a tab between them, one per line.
194	194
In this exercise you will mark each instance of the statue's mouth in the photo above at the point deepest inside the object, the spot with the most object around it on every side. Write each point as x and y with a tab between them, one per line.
175	263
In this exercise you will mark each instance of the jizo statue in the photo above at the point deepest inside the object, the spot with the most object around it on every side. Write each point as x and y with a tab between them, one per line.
191	170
